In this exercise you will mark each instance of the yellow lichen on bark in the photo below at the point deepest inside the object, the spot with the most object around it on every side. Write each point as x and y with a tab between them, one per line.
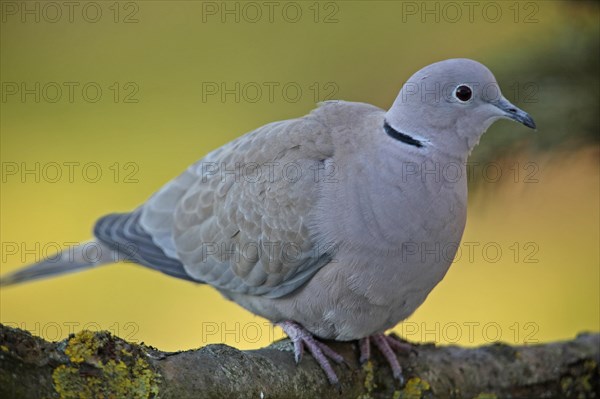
88	377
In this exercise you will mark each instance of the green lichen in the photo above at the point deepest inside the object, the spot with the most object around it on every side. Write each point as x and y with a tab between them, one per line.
4	348
124	375
580	385
565	384
369	383
414	389
486	395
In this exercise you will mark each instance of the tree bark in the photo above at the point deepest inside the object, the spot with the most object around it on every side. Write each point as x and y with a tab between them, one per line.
100	365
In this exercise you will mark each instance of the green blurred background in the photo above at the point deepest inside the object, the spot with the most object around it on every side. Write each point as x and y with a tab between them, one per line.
543	213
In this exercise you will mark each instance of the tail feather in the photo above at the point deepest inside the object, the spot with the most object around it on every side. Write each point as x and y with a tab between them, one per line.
82	257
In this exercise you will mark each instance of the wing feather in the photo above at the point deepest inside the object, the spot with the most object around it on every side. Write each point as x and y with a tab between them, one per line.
238	218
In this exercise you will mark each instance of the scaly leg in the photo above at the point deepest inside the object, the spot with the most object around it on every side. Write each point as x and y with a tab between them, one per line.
302	338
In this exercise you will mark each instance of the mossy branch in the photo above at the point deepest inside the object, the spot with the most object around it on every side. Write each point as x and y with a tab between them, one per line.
100	365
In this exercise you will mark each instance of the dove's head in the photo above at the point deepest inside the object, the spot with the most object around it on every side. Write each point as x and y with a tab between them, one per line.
450	104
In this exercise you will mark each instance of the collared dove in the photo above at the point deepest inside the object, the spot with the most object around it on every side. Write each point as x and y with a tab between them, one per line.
313	222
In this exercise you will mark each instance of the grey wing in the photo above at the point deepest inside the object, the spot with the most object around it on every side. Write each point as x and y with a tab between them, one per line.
240	218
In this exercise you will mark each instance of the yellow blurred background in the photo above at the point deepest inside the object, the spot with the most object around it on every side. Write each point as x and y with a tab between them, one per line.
104	102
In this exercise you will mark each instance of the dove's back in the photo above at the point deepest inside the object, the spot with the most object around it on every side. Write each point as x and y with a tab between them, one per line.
223	220
231	216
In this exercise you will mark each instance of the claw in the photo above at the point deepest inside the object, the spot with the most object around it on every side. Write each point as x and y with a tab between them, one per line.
320	351
384	347
298	351
385	344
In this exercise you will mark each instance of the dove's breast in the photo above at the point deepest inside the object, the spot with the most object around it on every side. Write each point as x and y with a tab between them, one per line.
396	235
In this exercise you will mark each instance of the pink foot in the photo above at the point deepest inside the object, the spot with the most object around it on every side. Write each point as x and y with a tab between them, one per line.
386	346
301	338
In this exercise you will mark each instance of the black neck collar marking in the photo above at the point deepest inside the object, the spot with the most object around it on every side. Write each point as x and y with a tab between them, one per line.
396	135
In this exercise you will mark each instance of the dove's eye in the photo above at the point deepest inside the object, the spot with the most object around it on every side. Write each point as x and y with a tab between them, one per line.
463	93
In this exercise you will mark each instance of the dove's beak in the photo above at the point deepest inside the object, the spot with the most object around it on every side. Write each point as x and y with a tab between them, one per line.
514	113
